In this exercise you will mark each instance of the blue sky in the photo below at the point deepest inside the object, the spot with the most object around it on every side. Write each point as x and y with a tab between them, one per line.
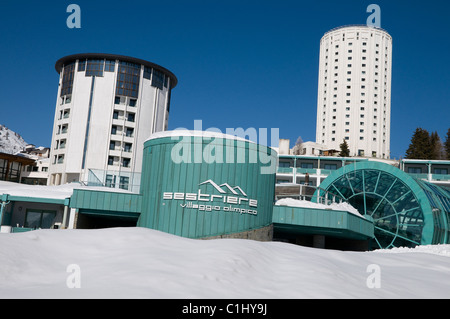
241	63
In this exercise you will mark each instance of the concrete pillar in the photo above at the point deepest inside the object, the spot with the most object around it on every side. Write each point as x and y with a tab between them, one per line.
319	241
72	218
57	179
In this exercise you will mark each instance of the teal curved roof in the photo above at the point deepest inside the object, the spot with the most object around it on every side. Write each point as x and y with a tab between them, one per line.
406	212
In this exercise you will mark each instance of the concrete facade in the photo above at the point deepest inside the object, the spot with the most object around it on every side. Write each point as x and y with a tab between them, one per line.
107	105
354	92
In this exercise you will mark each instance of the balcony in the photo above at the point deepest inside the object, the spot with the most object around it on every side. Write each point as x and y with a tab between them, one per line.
419	176
310	171
431	177
440	177
285	170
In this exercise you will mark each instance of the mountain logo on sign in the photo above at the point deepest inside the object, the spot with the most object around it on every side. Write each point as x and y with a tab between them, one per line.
220	188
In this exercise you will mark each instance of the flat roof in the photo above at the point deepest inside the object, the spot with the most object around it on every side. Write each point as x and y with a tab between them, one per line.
357	26
322	157
422	161
61	62
193	133
44	192
17	158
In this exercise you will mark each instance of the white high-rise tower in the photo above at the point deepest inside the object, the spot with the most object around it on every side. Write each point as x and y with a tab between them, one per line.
107	106
354	93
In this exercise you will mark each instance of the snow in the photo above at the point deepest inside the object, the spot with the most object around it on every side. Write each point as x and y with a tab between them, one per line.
10	141
193	133
52	192
344	206
144	263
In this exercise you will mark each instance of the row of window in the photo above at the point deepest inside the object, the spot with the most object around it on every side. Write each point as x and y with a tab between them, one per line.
62	129
116	161
58	159
351	44
10	170
96	67
349	86
361	138
118	130
64	114
30	168
116	146
128	77
60	144
418	170
112	160
67	79
307	165
124	181
334	117
122	100
122	115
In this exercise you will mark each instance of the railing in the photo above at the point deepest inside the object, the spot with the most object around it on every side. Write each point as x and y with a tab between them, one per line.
115	179
285	170
310	171
440	177
314	194
323	196
419	176
431	177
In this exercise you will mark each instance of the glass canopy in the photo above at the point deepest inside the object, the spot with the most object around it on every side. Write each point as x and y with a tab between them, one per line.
406	212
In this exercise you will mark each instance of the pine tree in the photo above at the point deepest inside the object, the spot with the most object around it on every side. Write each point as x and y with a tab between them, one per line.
437	148
447	145
420	147
345	151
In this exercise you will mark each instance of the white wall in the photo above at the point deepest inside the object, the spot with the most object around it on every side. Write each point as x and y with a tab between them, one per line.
150	117
333	110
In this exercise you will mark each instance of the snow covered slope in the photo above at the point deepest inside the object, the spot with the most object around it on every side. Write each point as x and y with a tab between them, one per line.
10	141
143	263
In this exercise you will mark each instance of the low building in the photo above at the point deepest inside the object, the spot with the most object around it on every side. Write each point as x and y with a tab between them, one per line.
11	166
210	197
36	174
433	171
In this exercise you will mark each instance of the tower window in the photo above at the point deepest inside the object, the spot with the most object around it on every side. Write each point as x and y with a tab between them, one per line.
67	80
110	65
95	67
128	79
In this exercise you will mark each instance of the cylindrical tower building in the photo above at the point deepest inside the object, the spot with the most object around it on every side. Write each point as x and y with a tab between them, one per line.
354	92
107	106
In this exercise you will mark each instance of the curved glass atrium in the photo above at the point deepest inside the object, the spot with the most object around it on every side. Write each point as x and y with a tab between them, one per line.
406	212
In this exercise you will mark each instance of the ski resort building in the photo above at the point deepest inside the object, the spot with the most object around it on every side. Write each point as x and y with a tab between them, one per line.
114	164
189	195
107	106
354	90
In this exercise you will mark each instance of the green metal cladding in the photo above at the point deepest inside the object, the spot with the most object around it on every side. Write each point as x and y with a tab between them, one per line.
405	211
106	203
197	187
321	222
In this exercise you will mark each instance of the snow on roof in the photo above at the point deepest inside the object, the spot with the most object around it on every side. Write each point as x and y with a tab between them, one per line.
344	206
206	134
50	192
